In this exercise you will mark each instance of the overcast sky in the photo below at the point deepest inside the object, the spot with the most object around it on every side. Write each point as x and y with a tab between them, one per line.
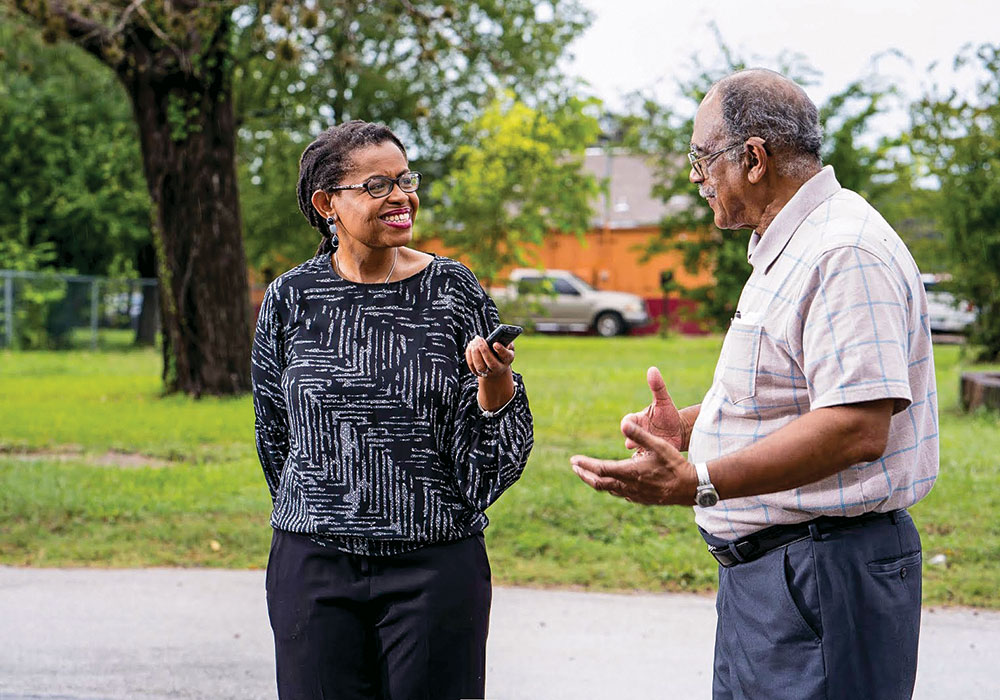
636	44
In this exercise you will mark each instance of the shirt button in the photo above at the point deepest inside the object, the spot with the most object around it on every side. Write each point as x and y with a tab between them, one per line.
902	572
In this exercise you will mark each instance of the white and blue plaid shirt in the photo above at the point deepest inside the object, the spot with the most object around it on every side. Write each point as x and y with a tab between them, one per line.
834	313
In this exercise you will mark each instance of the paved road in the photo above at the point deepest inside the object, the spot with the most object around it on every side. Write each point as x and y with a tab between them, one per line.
180	633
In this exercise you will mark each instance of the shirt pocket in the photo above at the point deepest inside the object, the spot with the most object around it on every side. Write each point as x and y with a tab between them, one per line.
742	352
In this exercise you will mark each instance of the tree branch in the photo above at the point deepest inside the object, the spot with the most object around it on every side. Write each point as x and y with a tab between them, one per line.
90	35
160	33
123	20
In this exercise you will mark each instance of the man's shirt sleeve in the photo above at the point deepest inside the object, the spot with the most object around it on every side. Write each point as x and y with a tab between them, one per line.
851	334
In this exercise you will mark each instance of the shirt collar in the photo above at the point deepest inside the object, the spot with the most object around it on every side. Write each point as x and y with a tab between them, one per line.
764	250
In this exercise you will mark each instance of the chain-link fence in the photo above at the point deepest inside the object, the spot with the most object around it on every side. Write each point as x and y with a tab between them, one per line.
42	310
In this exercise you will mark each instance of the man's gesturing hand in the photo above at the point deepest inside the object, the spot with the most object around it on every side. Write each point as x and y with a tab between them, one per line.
659	475
660	418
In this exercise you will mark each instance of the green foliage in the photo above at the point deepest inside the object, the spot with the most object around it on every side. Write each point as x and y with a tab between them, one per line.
72	195
182	114
516	177
117	475
277	236
882	169
31	299
655	128
959	140
876	169
425	68
19	254
72	181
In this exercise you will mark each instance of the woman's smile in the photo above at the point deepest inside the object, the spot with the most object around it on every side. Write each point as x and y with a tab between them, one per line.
397	218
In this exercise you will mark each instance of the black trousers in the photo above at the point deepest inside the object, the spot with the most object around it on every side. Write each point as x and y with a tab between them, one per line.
410	626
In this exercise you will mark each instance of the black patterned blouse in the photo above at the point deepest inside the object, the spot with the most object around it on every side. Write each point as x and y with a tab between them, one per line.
367	420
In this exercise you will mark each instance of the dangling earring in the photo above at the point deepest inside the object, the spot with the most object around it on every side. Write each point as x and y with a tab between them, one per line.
332	223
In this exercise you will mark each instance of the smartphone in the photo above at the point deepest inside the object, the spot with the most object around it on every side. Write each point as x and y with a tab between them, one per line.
503	334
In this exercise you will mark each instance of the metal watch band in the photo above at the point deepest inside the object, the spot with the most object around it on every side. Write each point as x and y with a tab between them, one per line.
703	478
705	495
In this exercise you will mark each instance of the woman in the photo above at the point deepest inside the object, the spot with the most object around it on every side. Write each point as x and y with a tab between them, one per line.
385	426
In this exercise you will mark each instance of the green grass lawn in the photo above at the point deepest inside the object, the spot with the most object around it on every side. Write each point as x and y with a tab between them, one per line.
74	493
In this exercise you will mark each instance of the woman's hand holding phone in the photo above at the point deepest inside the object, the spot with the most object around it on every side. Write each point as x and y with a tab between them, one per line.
492	366
487	363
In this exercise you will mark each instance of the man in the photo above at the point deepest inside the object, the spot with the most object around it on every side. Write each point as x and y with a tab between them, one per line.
820	427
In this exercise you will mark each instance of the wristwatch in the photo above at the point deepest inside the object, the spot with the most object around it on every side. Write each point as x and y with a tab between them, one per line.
705	496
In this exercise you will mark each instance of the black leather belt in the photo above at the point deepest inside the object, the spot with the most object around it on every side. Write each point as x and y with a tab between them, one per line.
767	540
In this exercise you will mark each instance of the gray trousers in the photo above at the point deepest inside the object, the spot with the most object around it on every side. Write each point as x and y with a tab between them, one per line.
834	616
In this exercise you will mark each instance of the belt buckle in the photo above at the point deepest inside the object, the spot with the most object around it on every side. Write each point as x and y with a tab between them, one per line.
734	553
723	556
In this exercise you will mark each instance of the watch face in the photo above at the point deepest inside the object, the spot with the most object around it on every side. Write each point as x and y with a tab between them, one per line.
706	497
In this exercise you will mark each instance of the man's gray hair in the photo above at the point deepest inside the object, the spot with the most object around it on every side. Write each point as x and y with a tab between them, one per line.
765	104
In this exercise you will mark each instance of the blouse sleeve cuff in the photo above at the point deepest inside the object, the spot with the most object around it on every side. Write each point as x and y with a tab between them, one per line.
493	414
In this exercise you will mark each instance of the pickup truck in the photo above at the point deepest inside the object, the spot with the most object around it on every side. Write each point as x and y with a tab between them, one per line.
558	300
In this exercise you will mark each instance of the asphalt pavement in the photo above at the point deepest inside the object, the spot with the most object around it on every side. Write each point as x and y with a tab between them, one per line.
147	634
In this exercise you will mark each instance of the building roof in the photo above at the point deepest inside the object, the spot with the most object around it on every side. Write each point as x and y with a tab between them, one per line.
630	202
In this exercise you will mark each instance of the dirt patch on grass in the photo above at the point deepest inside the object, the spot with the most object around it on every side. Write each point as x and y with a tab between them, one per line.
74	453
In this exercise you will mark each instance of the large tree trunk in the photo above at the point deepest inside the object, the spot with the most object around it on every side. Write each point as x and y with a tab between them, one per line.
174	60
187	134
149	314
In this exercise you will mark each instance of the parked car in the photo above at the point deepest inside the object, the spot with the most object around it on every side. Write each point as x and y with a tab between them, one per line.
947	314
558	300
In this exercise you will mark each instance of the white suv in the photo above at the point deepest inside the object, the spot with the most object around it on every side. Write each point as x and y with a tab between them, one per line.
560	301
947	314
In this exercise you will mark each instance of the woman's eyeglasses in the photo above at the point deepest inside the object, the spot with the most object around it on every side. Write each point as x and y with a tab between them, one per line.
381	185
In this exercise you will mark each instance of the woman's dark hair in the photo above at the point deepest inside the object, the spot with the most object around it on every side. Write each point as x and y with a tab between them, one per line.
327	159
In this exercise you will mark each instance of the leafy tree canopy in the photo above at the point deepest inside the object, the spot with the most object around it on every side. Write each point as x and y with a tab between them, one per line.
958	141
72	181
424	68
212	80
871	168
517	175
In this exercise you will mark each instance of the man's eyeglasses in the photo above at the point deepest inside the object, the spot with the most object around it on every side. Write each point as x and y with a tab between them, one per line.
701	164
381	185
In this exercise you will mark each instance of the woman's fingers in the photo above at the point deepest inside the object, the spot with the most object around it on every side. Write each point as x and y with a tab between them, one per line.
505	353
483	362
474	358
468	358
501	360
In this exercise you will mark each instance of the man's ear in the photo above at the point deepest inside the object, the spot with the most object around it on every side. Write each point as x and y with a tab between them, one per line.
757	158
323	203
